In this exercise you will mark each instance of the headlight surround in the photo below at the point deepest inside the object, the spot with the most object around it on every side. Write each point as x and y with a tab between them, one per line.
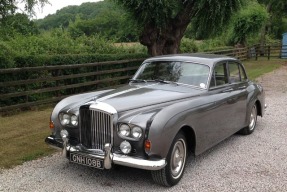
130	132
68	119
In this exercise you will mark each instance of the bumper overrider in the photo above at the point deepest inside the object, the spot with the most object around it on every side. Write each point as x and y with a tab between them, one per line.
107	156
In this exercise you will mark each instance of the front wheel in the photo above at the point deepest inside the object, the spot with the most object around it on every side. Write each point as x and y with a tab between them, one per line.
176	160
252	122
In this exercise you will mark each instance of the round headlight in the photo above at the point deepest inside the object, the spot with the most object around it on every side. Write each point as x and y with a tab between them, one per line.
137	132
64	118
74	120
124	130
125	147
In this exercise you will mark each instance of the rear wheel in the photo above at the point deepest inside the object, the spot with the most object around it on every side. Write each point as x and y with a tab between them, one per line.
176	160
252	122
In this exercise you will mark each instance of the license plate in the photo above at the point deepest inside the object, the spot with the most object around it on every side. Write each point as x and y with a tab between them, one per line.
87	161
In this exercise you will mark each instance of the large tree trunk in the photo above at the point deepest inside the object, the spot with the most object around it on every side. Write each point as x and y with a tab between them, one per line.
164	41
167	39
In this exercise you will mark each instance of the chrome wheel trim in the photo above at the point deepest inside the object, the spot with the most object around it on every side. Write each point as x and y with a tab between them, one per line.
178	157
253	118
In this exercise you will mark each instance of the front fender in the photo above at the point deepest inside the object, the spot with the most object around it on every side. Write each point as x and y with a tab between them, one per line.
168	122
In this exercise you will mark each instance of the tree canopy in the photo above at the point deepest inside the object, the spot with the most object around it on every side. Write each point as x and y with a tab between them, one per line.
8	7
248	21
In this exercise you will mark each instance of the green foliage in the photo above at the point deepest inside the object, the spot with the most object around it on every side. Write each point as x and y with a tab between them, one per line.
213	44
9	7
17	24
163	22
247	22
64	16
188	46
154	12
102	18
6	56
58	41
42	60
212	17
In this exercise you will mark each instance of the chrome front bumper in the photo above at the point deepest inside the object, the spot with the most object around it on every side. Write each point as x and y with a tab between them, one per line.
108	157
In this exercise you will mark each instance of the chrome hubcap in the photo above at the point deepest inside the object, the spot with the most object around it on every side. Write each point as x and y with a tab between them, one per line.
178	157
253	118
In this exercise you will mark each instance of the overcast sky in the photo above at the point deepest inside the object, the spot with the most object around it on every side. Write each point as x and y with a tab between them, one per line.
56	5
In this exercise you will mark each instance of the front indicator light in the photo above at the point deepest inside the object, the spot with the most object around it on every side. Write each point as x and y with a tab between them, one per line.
125	147
147	145
52	126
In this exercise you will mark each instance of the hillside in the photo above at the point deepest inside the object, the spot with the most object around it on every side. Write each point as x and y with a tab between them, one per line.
99	18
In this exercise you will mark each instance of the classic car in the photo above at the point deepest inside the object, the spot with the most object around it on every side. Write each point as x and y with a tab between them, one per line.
174	105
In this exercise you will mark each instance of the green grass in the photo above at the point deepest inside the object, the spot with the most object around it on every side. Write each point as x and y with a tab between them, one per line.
261	66
22	135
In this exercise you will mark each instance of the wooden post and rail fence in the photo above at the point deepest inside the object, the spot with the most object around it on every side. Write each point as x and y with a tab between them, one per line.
22	88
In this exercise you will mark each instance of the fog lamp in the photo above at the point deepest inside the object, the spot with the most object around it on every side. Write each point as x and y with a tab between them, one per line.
64	133
125	147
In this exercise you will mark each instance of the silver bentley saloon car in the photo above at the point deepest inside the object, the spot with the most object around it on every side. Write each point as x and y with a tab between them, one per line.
174	105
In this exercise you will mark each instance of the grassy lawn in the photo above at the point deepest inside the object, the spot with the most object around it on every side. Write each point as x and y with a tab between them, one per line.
22	135
261	66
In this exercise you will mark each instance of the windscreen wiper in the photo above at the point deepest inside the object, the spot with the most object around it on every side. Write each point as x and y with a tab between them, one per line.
164	81
138	80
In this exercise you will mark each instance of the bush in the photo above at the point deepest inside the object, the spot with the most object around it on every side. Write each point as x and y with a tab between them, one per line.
188	46
45	60
6	56
212	45
247	22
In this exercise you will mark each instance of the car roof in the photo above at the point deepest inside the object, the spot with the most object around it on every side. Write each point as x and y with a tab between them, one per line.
203	58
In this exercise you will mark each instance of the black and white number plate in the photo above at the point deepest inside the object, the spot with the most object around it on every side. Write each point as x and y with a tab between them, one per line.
87	161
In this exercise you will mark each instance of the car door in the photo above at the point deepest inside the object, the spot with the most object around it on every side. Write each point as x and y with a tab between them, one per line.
223	118
239	84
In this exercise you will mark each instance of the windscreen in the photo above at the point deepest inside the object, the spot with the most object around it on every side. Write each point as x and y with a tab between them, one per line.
175	71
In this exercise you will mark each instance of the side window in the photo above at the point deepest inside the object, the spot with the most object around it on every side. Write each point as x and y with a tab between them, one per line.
236	73
219	76
242	73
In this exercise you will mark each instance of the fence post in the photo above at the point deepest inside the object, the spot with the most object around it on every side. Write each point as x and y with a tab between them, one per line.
256	52
268	52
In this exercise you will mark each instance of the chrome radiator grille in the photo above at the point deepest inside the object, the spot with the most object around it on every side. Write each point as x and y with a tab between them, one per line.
95	128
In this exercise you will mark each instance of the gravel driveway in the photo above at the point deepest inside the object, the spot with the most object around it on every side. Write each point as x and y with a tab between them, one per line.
241	163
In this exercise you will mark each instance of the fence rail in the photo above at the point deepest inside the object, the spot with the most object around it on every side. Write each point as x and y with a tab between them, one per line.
31	86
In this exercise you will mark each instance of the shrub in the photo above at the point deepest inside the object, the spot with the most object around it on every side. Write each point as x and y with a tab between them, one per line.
188	46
